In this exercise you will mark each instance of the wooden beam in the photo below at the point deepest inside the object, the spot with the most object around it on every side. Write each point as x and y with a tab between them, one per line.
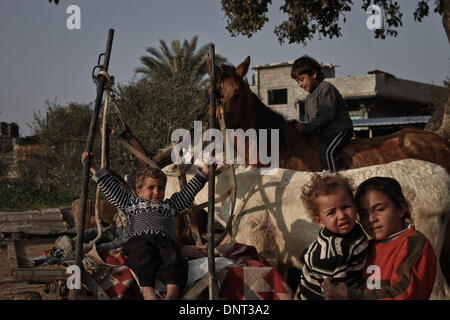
39	274
196	289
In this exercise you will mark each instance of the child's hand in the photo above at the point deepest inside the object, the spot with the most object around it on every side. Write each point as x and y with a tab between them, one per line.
334	292
205	169
83	159
206	160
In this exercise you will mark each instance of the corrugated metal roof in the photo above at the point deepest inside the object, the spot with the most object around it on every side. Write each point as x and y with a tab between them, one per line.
393	121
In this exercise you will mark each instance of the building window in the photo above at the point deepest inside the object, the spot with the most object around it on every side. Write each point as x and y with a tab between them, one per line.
278	96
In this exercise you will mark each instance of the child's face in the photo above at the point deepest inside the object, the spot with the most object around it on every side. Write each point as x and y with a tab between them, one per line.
380	216
307	82
152	190
337	212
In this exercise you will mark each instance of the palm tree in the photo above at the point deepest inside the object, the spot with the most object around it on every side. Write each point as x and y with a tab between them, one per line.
178	60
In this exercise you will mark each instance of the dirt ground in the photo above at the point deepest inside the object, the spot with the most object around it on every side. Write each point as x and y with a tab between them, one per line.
13	290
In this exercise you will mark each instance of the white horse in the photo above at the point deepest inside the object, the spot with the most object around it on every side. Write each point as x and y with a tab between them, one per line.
270	215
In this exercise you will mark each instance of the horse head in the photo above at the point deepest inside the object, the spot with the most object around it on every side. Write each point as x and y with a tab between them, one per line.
234	93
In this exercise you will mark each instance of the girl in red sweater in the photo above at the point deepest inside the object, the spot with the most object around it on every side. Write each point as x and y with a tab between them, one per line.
401	264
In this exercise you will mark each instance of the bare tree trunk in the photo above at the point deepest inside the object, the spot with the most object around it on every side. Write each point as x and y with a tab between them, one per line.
440	119
444	130
445	8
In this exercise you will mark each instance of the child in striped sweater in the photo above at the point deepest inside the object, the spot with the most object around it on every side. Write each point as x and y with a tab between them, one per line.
403	259
151	248
339	253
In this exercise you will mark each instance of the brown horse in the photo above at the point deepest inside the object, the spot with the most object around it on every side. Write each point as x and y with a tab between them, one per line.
297	151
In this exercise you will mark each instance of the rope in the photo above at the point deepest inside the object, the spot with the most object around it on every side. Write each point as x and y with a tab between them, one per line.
109	79
124	141
108	85
143	157
233	189
181	171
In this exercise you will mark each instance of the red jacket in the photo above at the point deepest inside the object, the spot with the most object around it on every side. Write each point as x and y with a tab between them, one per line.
407	266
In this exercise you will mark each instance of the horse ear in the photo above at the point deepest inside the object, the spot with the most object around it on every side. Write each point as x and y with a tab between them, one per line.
242	69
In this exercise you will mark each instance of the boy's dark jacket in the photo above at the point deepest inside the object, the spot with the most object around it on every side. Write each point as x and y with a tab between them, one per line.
325	110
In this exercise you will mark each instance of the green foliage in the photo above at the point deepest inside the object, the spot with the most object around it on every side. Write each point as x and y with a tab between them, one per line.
22	194
307	18
171	95
62	131
180	61
6	159
153	110
245	17
423	9
50	173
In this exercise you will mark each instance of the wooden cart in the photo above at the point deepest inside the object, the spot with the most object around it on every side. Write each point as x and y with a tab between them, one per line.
41	227
54	276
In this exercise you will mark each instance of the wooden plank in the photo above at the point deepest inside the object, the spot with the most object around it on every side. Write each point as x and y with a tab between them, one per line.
196	289
12	256
37	227
32	213
32	217
39	222
12	213
40	274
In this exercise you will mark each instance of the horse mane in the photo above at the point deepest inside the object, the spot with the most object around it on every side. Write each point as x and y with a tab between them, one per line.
266	118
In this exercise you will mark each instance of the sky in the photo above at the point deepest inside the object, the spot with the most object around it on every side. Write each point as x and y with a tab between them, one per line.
43	60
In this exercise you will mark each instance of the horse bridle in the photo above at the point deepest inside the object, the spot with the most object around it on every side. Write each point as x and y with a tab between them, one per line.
218	90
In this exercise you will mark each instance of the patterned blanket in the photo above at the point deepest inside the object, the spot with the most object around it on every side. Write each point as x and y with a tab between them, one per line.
250	277
108	269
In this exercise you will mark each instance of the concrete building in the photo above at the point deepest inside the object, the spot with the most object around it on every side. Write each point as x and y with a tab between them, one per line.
376	94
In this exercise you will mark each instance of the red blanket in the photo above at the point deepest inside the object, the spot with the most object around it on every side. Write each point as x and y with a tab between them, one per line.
249	278
119	277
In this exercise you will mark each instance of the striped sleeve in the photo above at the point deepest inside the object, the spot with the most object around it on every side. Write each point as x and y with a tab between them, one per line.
310	282
184	198
334	257
117	196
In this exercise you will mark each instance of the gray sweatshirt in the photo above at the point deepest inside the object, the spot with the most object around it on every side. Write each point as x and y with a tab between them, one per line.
325	111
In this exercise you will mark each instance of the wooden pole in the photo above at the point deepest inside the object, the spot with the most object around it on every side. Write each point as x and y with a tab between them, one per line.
211	185
74	293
